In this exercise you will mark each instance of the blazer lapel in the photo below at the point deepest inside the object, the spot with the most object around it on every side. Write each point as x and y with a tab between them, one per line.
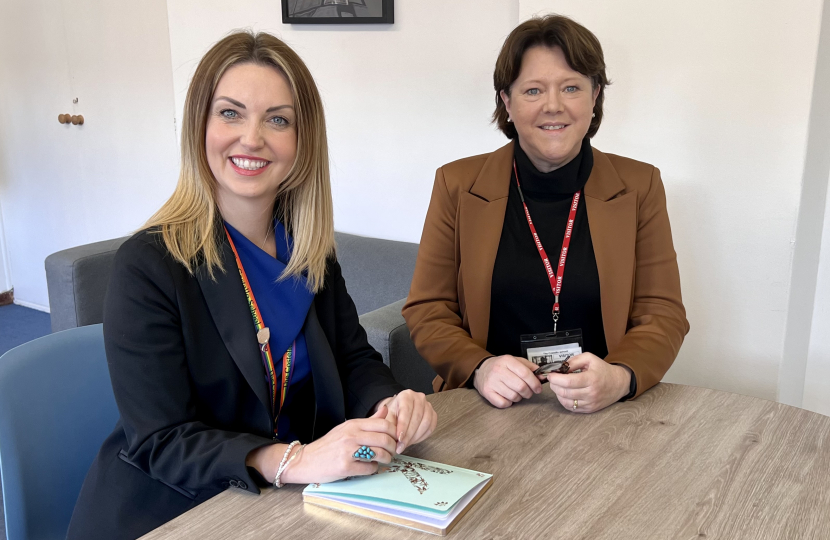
329	401
229	309
481	217
613	224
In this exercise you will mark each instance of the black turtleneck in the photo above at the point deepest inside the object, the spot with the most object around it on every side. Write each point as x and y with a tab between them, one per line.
520	296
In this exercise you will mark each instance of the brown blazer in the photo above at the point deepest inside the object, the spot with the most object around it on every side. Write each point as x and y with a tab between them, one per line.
448	308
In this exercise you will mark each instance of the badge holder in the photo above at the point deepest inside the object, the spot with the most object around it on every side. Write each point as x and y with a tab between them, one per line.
551	351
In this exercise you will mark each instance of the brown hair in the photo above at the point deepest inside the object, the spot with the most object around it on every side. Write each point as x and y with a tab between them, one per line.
582	52
190	223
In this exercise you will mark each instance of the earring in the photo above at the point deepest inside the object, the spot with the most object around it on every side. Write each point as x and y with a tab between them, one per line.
594	115
509	119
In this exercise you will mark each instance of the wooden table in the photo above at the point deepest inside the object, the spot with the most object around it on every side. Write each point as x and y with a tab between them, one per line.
678	462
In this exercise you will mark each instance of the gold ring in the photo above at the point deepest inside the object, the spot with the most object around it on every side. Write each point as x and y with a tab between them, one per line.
576	403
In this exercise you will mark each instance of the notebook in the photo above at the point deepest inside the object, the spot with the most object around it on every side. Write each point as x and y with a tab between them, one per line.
409	492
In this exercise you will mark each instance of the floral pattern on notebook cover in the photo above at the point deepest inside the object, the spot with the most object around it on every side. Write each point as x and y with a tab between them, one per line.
407	481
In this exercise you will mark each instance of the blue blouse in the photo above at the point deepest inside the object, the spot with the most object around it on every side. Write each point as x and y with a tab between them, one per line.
284	306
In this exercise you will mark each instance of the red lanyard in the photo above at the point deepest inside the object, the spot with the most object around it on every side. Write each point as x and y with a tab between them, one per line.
555	279
263	335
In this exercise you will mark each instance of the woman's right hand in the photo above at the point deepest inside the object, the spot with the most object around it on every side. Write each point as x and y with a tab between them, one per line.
505	380
331	457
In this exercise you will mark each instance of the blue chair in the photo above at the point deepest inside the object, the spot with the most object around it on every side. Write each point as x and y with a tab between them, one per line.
56	408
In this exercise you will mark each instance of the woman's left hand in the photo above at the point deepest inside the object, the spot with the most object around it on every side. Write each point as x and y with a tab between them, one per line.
597	386
413	416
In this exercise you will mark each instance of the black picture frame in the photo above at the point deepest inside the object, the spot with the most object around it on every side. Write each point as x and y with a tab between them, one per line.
387	7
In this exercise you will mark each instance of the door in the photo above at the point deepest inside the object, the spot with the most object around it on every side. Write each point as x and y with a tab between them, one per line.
66	185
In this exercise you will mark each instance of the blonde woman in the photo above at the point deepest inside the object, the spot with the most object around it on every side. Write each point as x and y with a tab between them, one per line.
235	352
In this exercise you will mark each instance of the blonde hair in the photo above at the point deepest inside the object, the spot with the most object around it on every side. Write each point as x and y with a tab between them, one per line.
190	223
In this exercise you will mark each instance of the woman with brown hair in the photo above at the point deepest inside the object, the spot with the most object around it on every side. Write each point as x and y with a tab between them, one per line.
235	352
548	250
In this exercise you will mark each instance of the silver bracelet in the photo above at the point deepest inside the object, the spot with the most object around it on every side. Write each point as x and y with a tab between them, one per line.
284	463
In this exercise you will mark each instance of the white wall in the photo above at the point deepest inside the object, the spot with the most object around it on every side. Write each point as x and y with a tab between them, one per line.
803	314
817	379
716	94
400	100
62	186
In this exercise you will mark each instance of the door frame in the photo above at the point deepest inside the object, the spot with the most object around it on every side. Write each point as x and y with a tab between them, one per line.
5	265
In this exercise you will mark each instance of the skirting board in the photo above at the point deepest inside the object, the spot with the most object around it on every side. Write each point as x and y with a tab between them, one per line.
32	305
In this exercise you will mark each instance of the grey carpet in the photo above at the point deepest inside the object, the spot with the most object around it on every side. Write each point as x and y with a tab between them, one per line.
17	326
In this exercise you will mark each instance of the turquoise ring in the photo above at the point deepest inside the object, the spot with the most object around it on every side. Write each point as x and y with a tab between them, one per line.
364	453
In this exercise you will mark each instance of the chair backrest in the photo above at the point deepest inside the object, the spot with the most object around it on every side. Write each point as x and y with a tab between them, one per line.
77	279
377	272
56	408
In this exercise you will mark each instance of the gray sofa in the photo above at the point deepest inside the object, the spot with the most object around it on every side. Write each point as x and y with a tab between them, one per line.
377	274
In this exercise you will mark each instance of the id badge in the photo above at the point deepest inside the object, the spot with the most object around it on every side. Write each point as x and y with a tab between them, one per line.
551	351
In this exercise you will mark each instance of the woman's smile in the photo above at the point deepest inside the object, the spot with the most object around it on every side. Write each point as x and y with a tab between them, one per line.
248	165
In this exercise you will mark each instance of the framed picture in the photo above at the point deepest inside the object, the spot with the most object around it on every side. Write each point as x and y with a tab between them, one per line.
338	11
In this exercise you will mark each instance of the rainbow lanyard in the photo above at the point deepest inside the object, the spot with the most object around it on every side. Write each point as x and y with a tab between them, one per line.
263	335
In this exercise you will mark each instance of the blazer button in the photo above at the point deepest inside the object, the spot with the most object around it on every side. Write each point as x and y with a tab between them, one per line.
234	483
241	485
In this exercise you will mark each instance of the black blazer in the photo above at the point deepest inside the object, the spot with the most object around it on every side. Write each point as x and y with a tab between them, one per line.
189	382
